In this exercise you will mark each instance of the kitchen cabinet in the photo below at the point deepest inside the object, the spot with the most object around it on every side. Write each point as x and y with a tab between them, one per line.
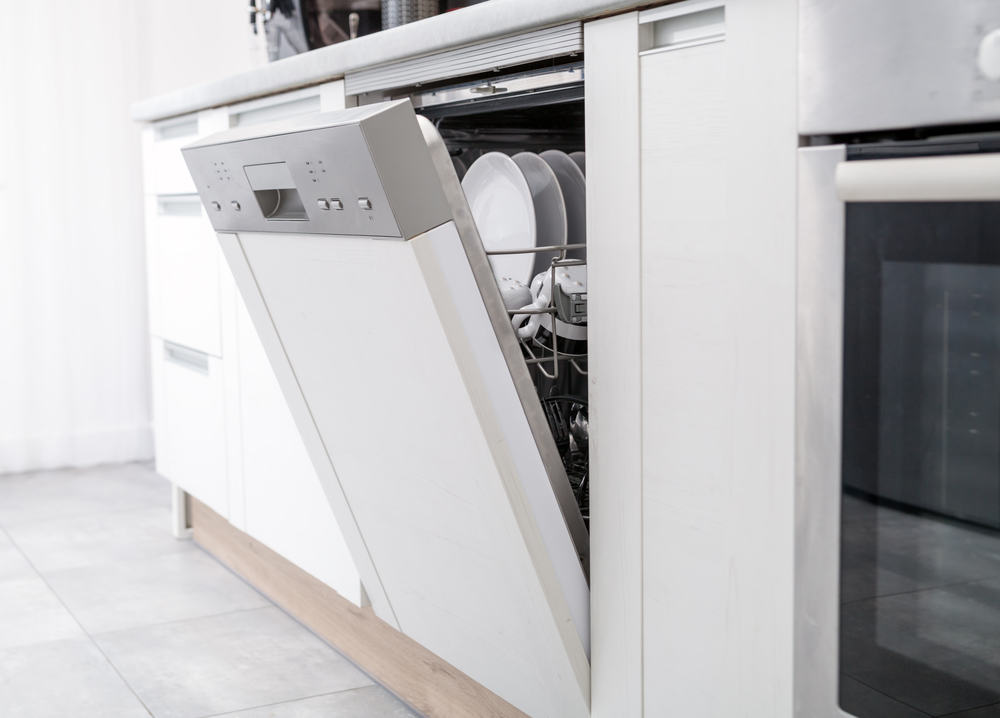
223	433
185	256
692	298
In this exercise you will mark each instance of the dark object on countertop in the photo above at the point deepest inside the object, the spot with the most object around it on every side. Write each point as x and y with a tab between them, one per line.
401	12
284	29
330	21
294	26
448	5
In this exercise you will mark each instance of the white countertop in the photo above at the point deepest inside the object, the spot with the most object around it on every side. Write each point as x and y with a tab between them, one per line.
454	29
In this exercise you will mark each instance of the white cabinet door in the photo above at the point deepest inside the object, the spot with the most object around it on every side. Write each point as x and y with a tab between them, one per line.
718	149
163	165
185	261
189	416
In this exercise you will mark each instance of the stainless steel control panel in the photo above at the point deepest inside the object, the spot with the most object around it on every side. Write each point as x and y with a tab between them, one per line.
357	172
887	64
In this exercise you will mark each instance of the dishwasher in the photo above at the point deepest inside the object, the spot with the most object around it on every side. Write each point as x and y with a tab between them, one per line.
452	449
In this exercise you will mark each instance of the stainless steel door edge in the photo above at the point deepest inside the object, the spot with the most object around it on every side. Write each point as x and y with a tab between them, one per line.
509	344
819	339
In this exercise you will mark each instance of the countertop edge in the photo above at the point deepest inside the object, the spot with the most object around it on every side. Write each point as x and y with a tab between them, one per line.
470	25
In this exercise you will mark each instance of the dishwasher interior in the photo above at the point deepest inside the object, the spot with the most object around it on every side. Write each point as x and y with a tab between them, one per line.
535	111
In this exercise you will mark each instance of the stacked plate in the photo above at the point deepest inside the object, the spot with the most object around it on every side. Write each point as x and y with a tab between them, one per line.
526	201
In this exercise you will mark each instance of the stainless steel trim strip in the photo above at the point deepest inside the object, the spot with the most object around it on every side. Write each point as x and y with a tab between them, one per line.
500	86
818	382
560	40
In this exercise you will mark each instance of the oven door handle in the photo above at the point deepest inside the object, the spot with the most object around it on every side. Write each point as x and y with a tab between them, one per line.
951	178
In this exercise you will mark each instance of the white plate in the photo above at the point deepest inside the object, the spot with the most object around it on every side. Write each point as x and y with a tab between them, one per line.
581	160
550	210
504	212
574	191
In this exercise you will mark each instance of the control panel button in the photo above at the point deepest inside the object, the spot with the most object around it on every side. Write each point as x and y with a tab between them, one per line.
216	206
336	203
364	203
323	204
235	205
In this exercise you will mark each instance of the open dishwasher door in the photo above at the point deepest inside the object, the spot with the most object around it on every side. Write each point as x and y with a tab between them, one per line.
352	245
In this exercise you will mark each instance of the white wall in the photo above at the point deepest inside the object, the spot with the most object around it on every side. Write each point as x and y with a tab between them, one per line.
74	386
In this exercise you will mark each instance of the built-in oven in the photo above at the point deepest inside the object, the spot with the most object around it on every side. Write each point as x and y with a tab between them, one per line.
897	560
898	565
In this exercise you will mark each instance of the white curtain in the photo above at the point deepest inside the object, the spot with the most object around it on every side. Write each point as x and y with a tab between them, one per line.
73	367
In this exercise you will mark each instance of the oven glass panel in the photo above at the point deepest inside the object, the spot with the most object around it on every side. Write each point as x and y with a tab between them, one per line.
920	545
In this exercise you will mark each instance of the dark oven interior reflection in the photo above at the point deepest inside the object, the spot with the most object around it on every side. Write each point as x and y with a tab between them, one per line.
920	546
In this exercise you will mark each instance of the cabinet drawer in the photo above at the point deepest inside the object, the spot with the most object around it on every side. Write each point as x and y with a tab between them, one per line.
186	265
164	168
189	417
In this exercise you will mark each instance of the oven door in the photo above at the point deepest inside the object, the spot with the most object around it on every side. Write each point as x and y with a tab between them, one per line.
898	431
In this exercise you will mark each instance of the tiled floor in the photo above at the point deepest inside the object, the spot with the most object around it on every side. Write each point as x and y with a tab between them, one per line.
104	614
920	616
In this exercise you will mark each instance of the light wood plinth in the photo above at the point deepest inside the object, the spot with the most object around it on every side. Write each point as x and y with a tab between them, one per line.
424	681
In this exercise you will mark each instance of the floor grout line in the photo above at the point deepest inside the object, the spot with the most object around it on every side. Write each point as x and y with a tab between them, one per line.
290	700
72	615
88	515
157	624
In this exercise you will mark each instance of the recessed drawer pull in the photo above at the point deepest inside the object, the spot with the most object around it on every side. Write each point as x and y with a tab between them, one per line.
183	356
683	24
175	129
179	205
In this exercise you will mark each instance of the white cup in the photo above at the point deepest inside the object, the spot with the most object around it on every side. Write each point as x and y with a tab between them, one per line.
571	279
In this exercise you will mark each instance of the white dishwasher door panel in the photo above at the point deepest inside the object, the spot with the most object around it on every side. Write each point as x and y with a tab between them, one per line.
455	555
352	245
286	508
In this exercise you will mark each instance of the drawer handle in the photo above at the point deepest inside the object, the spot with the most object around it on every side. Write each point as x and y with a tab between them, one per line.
185	357
958	178
173	130
179	205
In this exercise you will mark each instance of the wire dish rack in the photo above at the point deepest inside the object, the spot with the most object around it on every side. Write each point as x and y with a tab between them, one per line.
560	374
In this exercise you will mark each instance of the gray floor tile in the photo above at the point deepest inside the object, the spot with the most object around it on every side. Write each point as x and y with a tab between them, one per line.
96	539
12	562
31	613
858	699
61	679
79	492
185	584
367	702
227	663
